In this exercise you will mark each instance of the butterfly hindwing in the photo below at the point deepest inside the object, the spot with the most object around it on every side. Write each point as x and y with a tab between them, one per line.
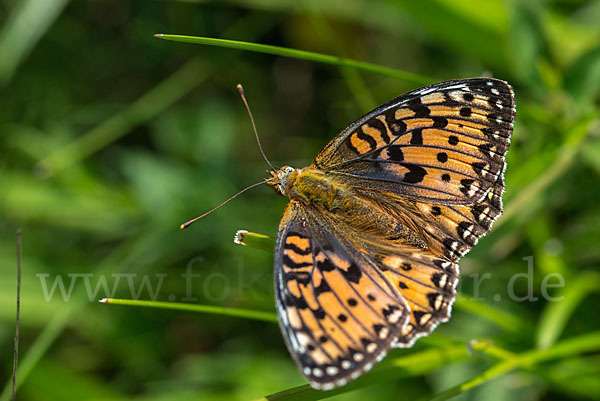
454	230
427	283
424	277
444	143
424	273
338	315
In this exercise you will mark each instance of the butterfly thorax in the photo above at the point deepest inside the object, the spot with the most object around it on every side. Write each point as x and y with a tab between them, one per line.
313	187
332	196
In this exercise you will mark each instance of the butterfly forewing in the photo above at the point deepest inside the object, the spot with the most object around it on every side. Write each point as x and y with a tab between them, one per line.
338	315
444	143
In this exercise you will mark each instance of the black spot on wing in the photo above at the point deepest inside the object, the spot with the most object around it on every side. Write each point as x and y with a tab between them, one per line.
417	137
323	287
418	108
478	167
463	229
445	265
439	122
353	273
298	302
418	315
415	173
325	265
378	328
466	186
486	149
319	313
436	279
432	298
479	214
395	153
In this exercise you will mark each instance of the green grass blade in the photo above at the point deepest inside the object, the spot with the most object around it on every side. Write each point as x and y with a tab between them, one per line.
586	343
589	342
254	240
27	23
354	80
215	310
556	315
121	256
301	54
36	351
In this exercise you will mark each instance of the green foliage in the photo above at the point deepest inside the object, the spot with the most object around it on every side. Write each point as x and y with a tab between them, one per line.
111	138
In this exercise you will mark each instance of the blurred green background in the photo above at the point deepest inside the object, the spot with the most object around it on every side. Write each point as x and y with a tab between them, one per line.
111	138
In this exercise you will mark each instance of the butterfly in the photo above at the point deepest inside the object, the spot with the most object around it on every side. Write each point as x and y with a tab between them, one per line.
367	248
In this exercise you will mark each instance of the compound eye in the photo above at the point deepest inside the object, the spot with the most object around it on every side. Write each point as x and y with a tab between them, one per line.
284	172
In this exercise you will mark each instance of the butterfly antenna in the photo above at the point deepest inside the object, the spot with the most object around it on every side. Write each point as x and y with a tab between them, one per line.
189	223
240	90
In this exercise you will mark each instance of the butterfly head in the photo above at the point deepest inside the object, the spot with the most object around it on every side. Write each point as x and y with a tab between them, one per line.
282	179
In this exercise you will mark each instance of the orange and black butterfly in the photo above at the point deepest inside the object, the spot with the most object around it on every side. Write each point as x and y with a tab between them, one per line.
367	249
